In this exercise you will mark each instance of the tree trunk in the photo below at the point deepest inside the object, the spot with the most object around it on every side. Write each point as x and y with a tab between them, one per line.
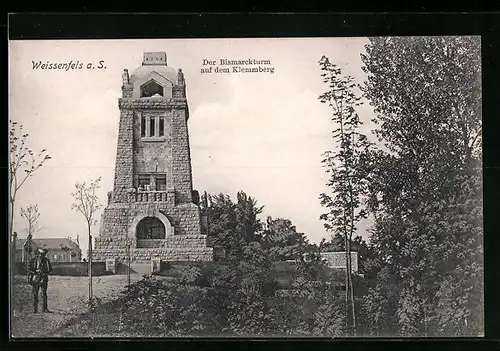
351	289
346	286
11	218
90	266
11	237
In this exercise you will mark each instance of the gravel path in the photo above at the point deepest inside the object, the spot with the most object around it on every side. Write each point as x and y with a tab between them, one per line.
67	299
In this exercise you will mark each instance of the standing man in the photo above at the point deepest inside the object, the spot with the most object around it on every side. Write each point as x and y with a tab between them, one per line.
40	267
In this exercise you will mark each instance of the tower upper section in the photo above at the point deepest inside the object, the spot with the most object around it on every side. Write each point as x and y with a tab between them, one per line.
153	79
153	154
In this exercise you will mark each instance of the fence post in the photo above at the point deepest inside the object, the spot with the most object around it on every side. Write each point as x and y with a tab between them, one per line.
128	263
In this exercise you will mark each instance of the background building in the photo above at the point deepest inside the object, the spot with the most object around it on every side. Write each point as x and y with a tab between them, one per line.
59	249
337	260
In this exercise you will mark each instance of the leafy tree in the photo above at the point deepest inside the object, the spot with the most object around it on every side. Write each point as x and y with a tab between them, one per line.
248	225
87	203
232	225
426	183
346	165
282	240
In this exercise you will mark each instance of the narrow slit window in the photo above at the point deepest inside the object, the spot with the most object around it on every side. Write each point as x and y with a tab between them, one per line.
161	132
152	127
143	126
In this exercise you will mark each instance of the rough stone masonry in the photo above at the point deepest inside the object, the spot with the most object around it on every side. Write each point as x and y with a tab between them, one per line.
152	206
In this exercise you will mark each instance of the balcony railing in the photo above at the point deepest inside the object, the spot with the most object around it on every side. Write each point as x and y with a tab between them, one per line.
150	196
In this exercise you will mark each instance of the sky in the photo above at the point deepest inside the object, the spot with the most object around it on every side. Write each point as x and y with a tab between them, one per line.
257	132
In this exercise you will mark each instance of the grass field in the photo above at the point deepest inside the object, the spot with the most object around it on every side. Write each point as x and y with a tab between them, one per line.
67	299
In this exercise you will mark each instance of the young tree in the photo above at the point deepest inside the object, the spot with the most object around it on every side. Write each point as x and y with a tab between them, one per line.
427	185
31	214
87	203
346	164
23	164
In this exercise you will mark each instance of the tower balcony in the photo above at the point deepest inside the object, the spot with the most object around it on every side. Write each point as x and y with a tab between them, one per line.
151	196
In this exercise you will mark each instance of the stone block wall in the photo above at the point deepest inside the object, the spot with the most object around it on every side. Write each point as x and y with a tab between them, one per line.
124	156
181	156
153	156
117	222
186	219
146	255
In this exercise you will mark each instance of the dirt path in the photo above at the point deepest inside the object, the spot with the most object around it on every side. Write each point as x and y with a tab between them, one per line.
67	299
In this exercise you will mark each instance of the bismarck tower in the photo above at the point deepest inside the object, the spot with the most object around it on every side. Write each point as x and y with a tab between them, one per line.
152	207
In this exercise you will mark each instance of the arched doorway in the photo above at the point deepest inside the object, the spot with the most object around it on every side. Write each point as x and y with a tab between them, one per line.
149	228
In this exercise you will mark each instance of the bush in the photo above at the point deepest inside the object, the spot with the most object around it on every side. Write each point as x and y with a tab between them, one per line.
233	299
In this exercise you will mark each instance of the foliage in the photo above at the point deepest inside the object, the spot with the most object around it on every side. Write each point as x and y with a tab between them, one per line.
426	184
347	165
282	240
232	225
228	305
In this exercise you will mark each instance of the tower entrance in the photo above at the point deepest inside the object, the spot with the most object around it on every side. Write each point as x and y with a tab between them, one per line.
150	228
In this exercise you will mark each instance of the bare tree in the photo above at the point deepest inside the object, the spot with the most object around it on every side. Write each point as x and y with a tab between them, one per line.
87	203
31	214
23	164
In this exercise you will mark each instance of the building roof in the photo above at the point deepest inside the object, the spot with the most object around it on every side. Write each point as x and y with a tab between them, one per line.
143	72
154	62
50	243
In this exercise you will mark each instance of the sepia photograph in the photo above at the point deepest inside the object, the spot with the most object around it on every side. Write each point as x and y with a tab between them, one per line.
253	187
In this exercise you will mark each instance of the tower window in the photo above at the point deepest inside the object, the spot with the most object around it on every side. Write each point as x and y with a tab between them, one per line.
161	182
162	127
144	181
152	127
143	126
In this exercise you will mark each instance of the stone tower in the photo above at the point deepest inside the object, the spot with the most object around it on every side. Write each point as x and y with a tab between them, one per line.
152	207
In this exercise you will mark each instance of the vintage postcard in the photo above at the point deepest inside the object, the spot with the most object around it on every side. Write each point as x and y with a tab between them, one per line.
257	187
